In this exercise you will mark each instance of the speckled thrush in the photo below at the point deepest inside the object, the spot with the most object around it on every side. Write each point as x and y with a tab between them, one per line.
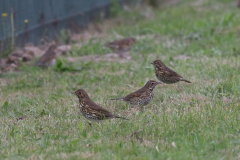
49	57
122	45
91	110
142	96
165	74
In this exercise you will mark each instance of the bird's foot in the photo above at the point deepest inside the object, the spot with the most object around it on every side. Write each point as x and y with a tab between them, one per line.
89	124
142	108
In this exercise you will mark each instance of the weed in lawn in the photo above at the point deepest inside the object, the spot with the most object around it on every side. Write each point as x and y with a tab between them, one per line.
195	121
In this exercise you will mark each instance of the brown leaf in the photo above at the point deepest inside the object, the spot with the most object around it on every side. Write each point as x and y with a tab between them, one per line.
174	144
12	59
17	53
37	52
148	143
63	49
89	145
28	56
168	110
20	118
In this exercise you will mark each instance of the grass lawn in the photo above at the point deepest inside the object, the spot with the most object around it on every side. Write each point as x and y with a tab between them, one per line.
184	121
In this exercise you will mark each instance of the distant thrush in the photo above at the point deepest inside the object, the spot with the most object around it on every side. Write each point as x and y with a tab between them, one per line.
165	74
49	57
91	110
122	45
142	96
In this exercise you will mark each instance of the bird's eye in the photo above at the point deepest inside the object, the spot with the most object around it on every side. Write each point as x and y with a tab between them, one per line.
80	92
152	83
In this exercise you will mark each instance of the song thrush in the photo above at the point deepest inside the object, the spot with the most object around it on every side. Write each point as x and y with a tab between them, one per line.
122	45
49	57
165	74
142	96
91	110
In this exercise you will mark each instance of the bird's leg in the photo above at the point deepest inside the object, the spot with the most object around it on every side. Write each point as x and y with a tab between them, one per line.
129	107
180	88
89	124
175	86
135	107
99	126
144	107
141	108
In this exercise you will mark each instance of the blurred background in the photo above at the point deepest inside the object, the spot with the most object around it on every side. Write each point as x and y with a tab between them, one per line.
68	23
38	21
41	20
29	23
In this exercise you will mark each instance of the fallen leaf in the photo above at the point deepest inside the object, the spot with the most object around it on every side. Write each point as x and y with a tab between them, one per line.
89	145
147	143
12	59
17	53
63	49
167	110
37	52
174	144
28	56
20	118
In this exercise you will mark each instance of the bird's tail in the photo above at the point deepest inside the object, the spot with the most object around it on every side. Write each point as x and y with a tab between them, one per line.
117	99
185	80
121	117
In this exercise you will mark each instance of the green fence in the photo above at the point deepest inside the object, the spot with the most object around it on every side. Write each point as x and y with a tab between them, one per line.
24	21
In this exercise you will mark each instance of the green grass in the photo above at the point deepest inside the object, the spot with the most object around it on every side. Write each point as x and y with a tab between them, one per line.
201	118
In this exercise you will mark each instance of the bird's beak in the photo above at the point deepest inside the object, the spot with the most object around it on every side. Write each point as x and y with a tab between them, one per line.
73	92
159	83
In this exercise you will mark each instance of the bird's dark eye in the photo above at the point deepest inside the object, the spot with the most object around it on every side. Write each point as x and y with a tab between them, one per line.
152	83
80	92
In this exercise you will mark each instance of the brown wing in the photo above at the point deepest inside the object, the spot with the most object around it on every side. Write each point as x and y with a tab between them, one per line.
121	45
48	56
137	93
171	73
99	109
45	59
122	42
124	47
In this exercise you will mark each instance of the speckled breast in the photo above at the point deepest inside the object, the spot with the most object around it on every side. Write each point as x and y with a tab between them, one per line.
148	98
88	114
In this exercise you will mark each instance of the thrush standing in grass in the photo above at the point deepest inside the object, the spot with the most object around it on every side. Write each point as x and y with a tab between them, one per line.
122	45
142	96
91	110
165	74
49	57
